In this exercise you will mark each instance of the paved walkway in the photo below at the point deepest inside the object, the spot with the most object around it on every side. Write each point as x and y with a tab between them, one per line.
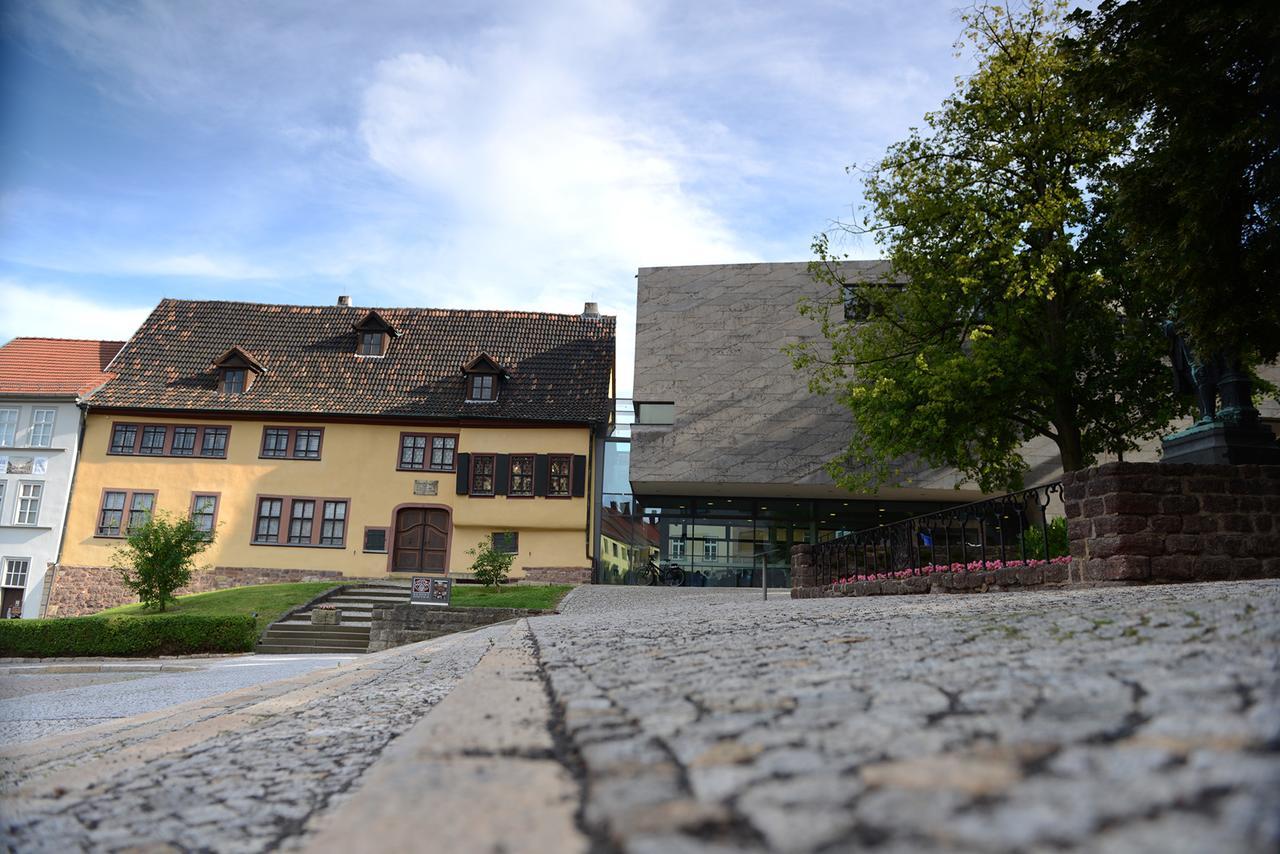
35	703
706	720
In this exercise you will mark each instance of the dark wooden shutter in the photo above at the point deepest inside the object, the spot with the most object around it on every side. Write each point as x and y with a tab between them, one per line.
501	469
464	473
579	476
541	475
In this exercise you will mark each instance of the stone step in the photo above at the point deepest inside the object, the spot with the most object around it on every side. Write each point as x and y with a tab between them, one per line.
358	645
308	628
296	649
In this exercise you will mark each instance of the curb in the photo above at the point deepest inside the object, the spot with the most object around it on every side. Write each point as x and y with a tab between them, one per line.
100	668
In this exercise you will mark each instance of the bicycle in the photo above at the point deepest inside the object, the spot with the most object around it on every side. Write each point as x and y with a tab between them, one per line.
654	574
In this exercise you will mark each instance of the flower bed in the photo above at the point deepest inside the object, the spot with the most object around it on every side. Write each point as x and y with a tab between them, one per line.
971	566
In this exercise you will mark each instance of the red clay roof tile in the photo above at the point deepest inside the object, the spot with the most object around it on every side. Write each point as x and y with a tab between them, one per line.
55	366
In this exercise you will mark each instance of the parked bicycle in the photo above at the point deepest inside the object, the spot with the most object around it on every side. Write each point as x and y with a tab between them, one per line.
654	574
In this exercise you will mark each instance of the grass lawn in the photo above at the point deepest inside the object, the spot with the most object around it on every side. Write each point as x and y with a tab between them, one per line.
510	596
269	601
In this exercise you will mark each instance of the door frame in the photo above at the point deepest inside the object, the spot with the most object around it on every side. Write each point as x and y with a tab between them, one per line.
391	546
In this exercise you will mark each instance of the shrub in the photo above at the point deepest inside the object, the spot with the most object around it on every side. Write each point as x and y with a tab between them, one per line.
159	556
490	565
1034	540
179	634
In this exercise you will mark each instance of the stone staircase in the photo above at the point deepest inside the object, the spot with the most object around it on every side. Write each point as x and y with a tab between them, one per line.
294	633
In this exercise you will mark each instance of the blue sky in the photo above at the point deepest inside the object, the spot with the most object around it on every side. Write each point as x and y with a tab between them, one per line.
490	155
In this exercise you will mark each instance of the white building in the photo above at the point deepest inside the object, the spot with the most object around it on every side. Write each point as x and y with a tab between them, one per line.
42	381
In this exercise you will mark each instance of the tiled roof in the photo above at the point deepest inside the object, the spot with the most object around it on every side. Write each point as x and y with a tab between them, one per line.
559	364
628	529
55	366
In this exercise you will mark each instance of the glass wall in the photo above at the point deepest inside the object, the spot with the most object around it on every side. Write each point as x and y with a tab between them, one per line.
718	542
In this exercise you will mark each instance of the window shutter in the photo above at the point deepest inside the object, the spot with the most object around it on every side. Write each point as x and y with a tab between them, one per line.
501	469
579	476
464	474
541	475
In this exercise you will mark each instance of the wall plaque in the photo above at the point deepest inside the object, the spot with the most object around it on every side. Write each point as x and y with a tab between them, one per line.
426	487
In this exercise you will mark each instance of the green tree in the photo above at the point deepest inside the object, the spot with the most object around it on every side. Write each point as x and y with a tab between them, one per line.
1196	195
159	556
999	320
490	566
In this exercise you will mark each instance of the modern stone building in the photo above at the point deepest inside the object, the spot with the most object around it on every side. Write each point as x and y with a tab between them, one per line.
729	445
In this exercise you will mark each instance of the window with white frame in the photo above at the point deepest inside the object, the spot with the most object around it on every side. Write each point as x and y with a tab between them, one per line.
8	427
710	549
675	549
15	571
28	503
42	427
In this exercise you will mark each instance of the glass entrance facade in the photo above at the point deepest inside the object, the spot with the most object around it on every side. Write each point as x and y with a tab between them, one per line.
719	542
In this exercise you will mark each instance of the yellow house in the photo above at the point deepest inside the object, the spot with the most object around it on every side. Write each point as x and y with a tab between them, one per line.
335	439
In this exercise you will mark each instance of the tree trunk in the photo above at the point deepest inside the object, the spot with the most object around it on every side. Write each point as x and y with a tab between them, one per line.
1070	446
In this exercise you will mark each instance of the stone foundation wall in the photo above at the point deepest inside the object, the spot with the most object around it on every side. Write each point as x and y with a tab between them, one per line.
78	590
1127	523
397	625
1161	522
558	574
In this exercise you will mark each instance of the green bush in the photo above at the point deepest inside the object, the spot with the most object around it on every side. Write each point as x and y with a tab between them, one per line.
180	634
491	566
1034	539
159	557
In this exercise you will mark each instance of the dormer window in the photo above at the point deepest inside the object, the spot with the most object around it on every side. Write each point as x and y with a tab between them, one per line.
483	387
237	369
233	380
482	376
373	335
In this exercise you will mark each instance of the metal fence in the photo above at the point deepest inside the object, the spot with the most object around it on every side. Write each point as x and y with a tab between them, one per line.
1010	527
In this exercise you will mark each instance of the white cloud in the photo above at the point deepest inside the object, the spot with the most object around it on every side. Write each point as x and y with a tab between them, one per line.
56	313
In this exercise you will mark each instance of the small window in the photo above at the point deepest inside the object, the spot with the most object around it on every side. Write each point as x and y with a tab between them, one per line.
375	540
15	571
507	542
306	444
152	440
615	549
8	427
371	343
521	484
675	549
275	442
215	442
710	549
42	427
29	503
424	452
482	466
559	485
300	518
233	380
267	526
483	387
204	513
123	438
111	516
333	527
184	441
141	506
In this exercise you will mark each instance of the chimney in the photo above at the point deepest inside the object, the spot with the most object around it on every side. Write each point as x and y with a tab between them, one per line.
591	310
344	299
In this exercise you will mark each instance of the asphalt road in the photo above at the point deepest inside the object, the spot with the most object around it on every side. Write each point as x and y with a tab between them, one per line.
34	705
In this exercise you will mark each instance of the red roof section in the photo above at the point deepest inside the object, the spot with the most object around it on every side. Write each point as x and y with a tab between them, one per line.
55	366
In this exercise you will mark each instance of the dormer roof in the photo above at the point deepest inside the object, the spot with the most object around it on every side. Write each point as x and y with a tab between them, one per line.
484	364
238	357
374	322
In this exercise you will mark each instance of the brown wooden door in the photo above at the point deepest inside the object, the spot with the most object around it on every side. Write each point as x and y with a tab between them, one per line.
421	540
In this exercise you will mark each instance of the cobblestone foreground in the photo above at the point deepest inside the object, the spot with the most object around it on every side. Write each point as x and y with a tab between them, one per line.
243	771
1121	719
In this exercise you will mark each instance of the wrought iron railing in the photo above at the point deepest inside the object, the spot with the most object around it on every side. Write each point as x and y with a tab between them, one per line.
984	532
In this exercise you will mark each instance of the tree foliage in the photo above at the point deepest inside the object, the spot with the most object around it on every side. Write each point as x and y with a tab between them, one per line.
159	556
1195	196
997	321
490	566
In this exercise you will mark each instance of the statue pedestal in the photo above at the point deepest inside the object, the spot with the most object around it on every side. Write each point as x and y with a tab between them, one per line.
1222	444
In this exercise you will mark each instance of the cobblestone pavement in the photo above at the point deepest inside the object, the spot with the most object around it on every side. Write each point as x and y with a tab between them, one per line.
238	772
38	705
1120	719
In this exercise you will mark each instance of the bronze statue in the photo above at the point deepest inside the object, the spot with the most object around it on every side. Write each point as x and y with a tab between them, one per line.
1218	376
